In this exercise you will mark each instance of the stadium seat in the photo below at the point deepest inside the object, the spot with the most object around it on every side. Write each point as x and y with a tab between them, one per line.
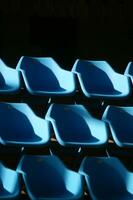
47	178
120	120
98	79
9	79
74	126
20	126
107	178
9	183
43	76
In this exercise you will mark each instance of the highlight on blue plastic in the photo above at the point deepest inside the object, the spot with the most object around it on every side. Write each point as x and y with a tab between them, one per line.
120	120
107	178
9	79
129	70
20	126
73	125
47	178
9	183
98	79
43	76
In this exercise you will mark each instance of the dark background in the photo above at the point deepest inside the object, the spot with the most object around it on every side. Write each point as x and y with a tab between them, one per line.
66	30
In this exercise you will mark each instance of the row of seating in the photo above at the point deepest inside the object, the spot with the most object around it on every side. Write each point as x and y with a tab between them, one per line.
73	126
44	77
46	177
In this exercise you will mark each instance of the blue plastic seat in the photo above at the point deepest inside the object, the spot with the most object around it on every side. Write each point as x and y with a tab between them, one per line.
129	70
20	126
9	183
98	79
47	178
43	76
120	120
74	126
9	79
107	178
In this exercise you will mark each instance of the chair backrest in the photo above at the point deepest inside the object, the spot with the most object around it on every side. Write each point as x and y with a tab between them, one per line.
44	174
71	121
18	122
106	177
94	74
9	76
120	120
129	70
45	73
9	179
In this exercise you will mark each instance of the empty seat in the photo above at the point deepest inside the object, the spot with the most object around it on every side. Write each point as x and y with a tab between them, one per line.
20	126
46	177
73	125
107	178
9	79
120	120
43	76
97	79
9	183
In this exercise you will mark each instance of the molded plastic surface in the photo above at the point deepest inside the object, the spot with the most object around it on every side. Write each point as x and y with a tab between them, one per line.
107	178
46	178
73	125
98	79
20	126
129	70
120	120
43	76
9	183
9	79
